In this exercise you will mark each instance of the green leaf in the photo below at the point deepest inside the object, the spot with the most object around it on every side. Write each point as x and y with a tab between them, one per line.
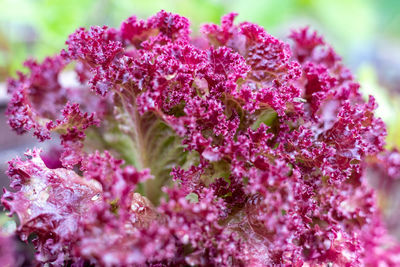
192	198
267	116
153	144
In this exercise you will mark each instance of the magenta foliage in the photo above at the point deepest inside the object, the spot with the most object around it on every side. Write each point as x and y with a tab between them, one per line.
232	148
7	250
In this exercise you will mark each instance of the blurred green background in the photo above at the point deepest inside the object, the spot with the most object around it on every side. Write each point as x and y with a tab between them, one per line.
366	33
